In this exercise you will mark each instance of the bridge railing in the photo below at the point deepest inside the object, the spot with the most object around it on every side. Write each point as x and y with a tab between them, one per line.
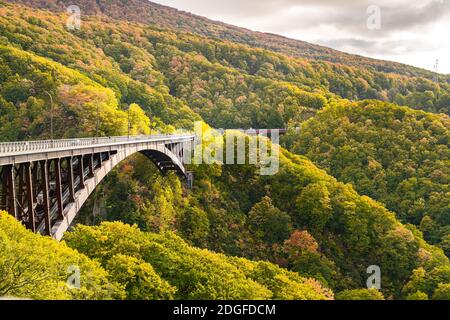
43	145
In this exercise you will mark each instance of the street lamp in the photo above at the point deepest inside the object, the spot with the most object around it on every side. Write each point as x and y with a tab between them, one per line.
129	123
150	118
97	122
51	114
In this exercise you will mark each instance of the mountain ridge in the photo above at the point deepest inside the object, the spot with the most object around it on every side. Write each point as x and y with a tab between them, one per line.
302	218
172	18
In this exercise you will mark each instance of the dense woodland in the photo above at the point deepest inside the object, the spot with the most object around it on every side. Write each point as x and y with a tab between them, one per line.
393	154
177	76
361	183
147	12
136	265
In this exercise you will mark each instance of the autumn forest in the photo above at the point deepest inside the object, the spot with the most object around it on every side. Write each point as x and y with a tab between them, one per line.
363	178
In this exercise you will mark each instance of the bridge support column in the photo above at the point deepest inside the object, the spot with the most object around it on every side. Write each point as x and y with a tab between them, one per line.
58	191
35	180
30	197
100	160
4	190
70	179
47	217
91	165
10	190
20	195
81	172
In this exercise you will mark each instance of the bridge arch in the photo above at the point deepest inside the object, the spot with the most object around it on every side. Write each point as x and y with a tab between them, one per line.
165	161
55	178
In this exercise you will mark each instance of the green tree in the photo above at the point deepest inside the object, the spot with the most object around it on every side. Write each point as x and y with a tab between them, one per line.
314	207
195	273
418	295
268	223
194	226
360	294
442	292
37	267
139	278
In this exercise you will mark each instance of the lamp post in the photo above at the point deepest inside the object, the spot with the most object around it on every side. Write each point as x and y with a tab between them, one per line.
97	122
150	127
129	124
51	114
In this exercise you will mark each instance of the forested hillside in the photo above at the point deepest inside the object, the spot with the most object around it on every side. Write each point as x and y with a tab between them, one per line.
229	85
135	265
147	12
309	221
393	154
300	218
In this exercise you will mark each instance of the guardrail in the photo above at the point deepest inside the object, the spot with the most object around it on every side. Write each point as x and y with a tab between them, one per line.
44	145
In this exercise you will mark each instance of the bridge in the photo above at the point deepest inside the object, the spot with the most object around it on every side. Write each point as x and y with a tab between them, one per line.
45	183
256	132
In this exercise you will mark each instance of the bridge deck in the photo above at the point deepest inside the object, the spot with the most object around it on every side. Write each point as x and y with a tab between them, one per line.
17	152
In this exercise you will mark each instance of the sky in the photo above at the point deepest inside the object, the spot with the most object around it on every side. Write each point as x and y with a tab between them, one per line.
415	32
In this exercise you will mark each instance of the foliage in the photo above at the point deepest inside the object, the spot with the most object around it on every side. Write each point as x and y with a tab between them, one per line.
393	154
227	84
314	206
434	283
419	295
194	225
137	194
348	233
79	103
268	223
195	273
360	294
146	12
140	279
442	292
301	218
36	267
304	257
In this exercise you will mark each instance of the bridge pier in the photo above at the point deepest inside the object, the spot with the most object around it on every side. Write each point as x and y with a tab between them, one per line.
46	198
90	158
58	189
29	197
70	179
81	172
9	197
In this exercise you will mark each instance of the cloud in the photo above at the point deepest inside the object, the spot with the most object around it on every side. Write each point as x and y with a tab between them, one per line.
353	19
347	14
389	47
407	26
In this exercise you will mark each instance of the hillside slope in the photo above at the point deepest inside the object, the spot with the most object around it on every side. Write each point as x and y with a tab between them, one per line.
302	218
393	154
147	12
229	85
33	266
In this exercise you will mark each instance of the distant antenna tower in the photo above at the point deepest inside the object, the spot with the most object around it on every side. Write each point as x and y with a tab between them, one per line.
436	67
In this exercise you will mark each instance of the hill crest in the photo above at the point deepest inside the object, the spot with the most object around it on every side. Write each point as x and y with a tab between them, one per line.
143	11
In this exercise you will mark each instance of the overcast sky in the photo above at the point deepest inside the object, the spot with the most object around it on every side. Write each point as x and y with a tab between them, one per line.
414	32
